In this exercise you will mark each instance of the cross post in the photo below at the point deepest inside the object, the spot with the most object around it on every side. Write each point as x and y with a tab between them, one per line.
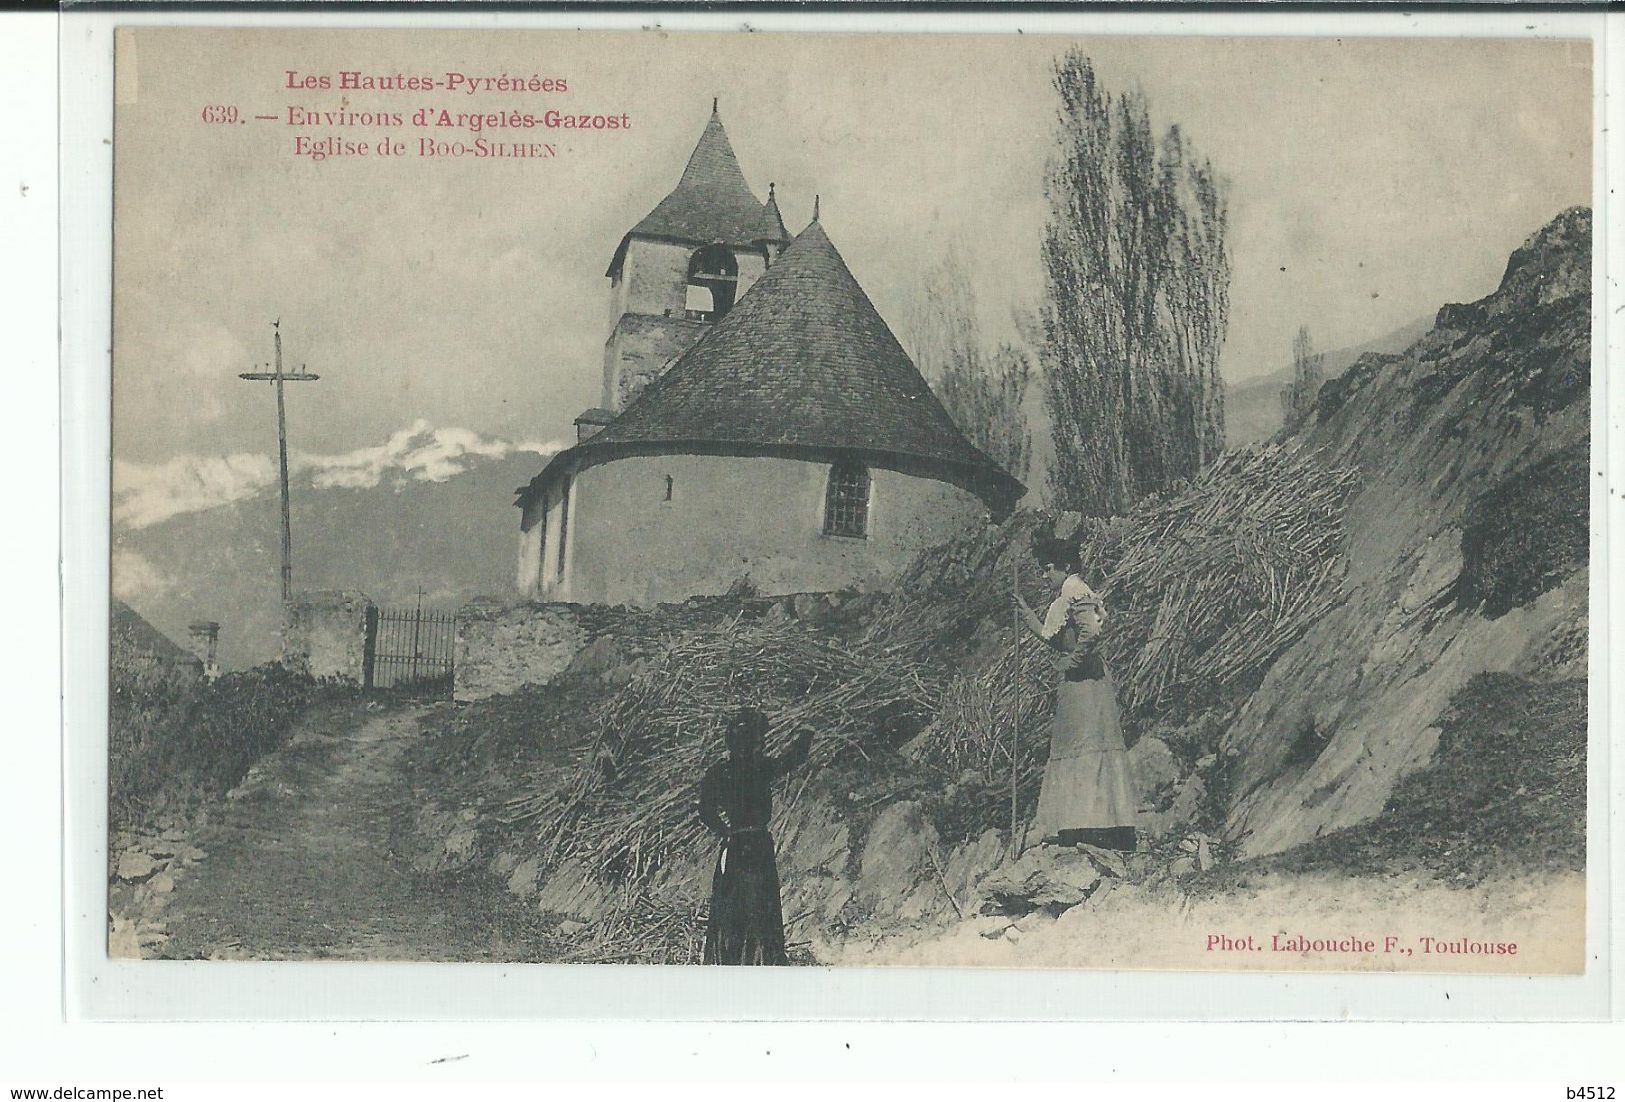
278	377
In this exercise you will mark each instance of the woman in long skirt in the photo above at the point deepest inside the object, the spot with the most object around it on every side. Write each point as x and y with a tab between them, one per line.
736	804
1086	797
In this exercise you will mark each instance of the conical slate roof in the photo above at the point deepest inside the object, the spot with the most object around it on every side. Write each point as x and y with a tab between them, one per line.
803	359
772	205
711	203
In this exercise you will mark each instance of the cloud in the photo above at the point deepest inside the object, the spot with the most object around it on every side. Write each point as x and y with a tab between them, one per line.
135	577
145	494
418	452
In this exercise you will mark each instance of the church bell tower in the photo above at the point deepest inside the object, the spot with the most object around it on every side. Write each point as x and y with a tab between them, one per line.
682	267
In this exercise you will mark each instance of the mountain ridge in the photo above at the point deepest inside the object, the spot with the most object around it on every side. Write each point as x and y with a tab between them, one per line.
1252	408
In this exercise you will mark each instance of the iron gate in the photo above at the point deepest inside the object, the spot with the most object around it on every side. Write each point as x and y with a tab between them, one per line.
409	651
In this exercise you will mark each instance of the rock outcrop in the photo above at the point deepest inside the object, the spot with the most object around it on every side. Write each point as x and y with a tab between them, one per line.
141	880
1466	547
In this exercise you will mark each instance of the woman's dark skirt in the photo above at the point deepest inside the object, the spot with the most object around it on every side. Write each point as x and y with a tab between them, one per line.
747	920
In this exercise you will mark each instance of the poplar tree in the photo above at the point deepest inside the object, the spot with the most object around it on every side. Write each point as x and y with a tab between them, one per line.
1137	280
1308	372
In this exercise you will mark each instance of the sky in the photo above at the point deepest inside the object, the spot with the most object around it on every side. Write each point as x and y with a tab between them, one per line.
458	307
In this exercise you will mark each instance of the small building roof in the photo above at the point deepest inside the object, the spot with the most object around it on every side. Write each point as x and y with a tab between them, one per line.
130	626
803	360
711	203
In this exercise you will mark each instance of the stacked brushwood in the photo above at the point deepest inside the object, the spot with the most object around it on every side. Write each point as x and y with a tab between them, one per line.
641	928
983	718
1209	585
1204	588
631	804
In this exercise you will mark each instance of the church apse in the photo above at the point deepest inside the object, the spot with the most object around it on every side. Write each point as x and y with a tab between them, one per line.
759	420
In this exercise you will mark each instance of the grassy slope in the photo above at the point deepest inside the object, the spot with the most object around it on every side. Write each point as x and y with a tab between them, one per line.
172	747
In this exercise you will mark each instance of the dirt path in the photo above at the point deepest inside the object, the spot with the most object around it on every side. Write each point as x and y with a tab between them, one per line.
302	862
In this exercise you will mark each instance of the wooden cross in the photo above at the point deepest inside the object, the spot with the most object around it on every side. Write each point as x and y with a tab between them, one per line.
279	377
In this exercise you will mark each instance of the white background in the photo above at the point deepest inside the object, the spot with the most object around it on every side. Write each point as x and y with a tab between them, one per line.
39	1048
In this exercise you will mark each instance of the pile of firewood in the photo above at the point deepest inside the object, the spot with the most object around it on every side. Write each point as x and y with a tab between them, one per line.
640	928
632	801
1204	589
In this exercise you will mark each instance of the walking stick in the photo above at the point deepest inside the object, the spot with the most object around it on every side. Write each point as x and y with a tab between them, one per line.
1015	727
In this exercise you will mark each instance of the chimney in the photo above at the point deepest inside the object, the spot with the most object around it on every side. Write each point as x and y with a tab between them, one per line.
205	636
591	421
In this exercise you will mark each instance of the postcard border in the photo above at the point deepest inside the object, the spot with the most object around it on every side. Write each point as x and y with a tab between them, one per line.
101	989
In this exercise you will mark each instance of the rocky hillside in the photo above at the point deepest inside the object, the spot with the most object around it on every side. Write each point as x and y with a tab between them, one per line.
1298	638
1466	548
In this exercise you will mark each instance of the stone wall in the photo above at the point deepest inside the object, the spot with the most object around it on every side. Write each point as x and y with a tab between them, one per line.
638	348
730	518
502	647
327	634
654	277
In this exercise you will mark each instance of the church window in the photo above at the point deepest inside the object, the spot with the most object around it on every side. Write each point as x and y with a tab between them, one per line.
713	280
846	502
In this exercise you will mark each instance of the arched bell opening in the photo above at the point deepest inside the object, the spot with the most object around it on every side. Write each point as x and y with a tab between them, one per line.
713	283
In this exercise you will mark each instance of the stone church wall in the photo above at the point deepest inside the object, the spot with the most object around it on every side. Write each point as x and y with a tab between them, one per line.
653	277
638	349
539	543
732	518
647	325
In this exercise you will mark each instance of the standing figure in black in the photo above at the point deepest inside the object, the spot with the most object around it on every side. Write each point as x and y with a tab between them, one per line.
736	804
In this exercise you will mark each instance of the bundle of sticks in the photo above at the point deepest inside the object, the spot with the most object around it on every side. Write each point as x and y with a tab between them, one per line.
642	928
981	715
632	800
1205	588
1209	585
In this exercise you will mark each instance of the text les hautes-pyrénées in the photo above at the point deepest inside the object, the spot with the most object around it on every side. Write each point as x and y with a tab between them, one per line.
354	80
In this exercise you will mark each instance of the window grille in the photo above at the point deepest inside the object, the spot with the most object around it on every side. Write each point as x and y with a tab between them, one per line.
846	504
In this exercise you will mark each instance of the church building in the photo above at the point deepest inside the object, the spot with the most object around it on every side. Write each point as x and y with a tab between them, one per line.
759	420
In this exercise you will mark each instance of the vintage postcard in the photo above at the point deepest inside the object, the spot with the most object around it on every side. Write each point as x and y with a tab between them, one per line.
812	499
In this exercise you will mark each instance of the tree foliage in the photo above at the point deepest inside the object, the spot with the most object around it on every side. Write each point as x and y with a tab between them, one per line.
1308	372
982	386
1137	281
